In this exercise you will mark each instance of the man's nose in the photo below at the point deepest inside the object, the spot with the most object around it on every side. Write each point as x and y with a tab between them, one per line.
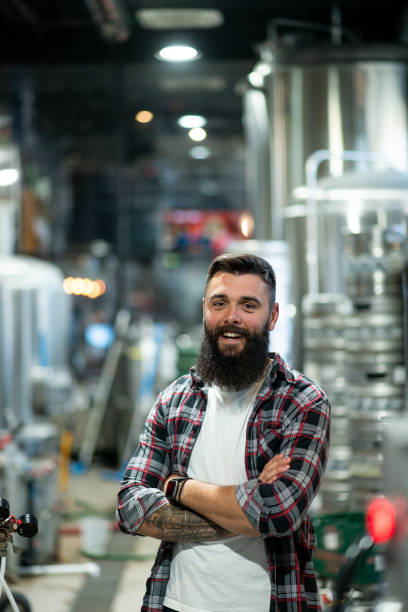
232	314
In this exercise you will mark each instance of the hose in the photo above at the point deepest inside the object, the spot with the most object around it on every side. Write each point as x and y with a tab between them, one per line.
9	594
2	571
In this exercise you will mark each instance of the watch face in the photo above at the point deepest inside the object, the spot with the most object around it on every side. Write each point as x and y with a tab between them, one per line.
171	488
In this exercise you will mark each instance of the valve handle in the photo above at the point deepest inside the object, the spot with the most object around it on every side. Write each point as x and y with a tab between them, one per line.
27	525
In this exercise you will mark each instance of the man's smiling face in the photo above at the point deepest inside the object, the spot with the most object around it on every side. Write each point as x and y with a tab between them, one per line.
235	307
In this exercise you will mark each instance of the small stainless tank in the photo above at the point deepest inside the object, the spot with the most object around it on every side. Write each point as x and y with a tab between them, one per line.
34	327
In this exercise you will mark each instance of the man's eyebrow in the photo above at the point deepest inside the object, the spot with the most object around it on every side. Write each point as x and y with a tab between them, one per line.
217	296
243	298
250	298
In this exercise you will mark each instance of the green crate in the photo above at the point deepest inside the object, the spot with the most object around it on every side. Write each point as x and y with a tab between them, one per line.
186	357
335	533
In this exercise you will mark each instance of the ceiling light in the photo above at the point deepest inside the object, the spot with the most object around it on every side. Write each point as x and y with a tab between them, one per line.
178	19
178	53
144	116
200	152
197	134
191	121
8	176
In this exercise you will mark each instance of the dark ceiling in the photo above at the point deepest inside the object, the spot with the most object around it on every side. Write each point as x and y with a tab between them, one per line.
89	62
74	72
54	31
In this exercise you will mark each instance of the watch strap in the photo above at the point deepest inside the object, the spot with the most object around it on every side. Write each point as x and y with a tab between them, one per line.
180	489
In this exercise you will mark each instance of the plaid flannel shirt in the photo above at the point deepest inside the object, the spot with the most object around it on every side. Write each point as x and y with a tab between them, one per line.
291	415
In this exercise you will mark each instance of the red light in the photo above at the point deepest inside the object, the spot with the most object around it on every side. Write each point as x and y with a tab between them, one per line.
381	520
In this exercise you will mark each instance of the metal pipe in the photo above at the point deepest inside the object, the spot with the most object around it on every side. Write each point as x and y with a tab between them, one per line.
110	18
311	169
93	569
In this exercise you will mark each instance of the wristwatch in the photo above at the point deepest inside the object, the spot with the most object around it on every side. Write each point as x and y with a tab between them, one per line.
174	488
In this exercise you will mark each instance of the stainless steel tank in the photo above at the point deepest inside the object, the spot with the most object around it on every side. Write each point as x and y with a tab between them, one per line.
330	97
321	103
34	327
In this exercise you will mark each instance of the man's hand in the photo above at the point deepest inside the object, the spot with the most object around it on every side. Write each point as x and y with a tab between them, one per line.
274	468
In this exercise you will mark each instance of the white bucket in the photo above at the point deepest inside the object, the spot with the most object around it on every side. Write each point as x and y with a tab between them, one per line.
95	535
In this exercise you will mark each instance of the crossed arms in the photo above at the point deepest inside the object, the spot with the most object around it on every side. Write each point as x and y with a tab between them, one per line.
274	507
212	511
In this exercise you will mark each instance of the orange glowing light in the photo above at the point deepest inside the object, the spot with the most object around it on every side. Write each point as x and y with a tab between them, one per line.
144	116
84	286
102	286
67	285
88	285
246	224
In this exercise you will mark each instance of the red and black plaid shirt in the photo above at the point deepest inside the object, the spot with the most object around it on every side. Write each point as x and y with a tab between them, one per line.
291	415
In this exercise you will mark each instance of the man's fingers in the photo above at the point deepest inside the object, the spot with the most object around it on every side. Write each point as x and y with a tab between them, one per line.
274	468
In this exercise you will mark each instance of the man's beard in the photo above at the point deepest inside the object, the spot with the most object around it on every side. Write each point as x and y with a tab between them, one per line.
233	371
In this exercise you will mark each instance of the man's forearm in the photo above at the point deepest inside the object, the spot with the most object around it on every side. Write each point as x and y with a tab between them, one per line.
174	524
218	504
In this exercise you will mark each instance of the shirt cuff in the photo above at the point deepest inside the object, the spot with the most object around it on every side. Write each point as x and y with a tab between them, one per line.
244	494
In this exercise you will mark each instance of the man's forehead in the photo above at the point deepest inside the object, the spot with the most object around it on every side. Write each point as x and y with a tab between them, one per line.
225	282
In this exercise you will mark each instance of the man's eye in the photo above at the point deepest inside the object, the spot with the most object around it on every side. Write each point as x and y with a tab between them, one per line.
249	306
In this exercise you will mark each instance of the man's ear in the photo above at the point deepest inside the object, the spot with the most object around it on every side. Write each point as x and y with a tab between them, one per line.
203	305
274	316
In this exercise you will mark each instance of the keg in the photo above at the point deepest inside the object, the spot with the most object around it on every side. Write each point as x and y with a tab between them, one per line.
374	262
338	463
336	486
335	495
323	320
391	304
374	332
366	464
375	398
323	338
327	368
366	368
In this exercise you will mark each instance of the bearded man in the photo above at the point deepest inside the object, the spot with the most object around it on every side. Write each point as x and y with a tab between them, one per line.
231	456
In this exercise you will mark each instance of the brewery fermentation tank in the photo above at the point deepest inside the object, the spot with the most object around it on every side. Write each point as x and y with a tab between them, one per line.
34	327
333	98
337	98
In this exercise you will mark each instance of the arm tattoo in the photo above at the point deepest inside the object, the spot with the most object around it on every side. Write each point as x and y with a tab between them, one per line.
174	524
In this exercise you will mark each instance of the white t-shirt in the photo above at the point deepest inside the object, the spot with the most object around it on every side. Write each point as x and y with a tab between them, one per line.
230	574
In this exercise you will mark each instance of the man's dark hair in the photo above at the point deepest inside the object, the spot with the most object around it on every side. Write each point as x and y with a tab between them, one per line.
245	263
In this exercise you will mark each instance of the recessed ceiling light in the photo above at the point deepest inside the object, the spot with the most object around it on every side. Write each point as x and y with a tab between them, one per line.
200	152
197	134
144	116
178	53
171	19
191	121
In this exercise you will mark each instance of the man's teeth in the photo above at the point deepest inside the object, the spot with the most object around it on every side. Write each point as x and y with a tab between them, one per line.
231	335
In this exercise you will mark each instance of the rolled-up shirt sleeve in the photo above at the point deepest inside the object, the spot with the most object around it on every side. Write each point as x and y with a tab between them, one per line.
140	492
279	508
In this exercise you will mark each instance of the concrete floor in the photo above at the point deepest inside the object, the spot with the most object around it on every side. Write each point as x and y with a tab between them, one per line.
120	585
